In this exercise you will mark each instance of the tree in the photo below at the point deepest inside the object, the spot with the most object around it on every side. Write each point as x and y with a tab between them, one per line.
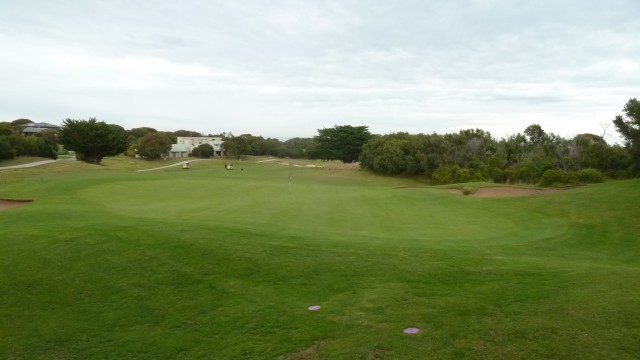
187	133
17	124
92	140
137	133
6	130
203	151
50	137
341	142
154	146
535	134
6	150
171	136
296	148
236	146
629	128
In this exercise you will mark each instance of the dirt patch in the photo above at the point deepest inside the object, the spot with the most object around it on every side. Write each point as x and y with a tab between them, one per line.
504	191
8	204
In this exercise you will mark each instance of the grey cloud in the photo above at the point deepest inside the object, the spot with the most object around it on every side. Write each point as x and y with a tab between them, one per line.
285	66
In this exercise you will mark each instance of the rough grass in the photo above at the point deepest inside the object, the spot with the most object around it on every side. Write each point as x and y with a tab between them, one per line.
208	263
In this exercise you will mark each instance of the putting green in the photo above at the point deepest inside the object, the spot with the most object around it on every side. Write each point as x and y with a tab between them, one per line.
312	207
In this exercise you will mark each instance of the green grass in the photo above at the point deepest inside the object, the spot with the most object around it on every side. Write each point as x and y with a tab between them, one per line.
111	263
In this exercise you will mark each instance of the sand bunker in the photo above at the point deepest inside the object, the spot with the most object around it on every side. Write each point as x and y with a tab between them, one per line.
7	204
504	191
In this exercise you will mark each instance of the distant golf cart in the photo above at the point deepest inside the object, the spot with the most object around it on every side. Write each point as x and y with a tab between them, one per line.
186	165
228	166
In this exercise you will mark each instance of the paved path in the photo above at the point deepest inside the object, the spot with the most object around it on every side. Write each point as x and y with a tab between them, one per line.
33	164
43	162
172	165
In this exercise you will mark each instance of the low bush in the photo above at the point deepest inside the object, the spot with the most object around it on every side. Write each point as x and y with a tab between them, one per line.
589	176
553	177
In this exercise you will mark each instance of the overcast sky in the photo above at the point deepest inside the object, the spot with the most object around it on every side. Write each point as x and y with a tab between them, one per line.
287	68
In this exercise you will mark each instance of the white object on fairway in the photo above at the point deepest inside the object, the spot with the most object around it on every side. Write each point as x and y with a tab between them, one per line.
411	330
314	307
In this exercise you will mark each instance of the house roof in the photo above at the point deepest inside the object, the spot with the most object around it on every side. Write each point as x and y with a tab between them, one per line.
180	148
41	125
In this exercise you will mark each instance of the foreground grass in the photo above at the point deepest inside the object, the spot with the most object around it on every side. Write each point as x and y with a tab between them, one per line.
206	263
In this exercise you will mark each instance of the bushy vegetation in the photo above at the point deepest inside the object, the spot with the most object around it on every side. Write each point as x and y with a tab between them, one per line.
590	176
204	151
153	145
468	155
13	144
557	177
475	155
554	177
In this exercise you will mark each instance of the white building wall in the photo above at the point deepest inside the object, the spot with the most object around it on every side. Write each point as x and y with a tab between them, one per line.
193	141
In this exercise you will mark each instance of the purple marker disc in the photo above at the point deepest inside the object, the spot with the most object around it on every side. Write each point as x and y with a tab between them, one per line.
314	307
411	330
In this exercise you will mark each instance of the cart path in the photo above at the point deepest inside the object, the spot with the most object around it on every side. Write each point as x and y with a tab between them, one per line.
28	165
172	165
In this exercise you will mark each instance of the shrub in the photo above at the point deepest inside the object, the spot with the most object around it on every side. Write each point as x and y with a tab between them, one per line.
553	177
6	151
203	151
449	174
461	175
443	175
590	176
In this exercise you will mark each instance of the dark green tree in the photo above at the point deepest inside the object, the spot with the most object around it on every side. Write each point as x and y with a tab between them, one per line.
187	133
6	149
535	134
21	121
629	127
50	137
137	133
5	129
170	135
261	146
297	148
154	146
203	151
235	146
341	142
92	140
17	124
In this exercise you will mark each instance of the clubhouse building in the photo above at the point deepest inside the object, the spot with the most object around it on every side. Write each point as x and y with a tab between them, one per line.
185	144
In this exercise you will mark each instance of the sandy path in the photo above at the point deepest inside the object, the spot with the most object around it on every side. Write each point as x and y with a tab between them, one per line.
500	191
8	204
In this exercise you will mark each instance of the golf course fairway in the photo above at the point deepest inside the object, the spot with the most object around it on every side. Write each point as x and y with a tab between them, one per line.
108	262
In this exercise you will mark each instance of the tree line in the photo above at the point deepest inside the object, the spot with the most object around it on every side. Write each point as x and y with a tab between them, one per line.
474	155
92	140
12	143
534	156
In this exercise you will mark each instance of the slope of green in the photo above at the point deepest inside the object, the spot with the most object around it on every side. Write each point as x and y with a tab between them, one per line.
111	263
